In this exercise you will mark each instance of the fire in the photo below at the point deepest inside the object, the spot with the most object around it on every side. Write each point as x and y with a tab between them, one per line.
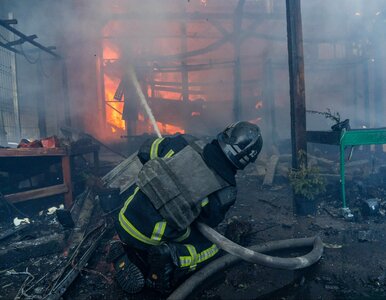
114	108
259	104
169	129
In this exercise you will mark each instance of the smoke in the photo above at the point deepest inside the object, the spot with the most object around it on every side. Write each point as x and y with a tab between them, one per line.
344	61
174	44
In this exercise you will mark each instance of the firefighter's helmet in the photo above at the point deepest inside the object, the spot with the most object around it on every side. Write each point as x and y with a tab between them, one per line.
241	142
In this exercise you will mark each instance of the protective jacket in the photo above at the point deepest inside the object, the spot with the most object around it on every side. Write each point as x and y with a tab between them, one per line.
140	223
176	191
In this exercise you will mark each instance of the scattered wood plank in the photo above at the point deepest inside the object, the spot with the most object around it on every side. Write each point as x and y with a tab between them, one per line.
9	232
82	220
269	176
268	202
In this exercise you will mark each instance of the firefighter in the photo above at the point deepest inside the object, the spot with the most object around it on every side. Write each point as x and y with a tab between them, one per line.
182	180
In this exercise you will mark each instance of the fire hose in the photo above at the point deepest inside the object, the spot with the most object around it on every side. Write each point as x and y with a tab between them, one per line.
252	255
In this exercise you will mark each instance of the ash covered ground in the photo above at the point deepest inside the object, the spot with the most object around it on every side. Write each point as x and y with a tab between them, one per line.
352	266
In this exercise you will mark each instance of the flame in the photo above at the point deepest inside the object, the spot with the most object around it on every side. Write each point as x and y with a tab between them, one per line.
112	76
259	104
110	51
113	109
169	129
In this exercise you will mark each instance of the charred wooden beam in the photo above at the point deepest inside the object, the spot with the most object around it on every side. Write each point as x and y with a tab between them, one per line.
23	152
21	41
10	21
83	219
7	26
296	78
195	16
9	48
9	232
37	193
78	261
21	251
176	90
211	47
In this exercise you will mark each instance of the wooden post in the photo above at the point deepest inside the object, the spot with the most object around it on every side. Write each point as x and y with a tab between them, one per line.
296	78
269	98
66	99
379	64
66	169
366	91
184	71
101	89
41	104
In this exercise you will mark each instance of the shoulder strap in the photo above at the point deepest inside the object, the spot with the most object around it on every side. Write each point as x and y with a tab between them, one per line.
197	144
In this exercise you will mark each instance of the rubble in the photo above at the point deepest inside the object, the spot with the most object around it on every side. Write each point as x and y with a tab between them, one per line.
20	251
260	214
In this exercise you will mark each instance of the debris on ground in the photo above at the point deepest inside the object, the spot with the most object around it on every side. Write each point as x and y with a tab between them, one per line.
64	252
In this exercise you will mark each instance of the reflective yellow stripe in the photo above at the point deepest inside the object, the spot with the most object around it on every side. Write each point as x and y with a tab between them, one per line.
154	148
170	153
204	202
158	231
185	261
184	236
129	228
194	259
208	253
193	256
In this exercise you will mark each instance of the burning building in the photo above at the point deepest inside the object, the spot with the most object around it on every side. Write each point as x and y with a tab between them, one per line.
200	64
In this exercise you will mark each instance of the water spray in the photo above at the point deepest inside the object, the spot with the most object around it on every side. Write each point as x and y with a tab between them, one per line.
134	79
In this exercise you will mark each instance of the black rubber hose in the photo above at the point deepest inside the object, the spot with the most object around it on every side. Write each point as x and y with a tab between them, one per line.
226	261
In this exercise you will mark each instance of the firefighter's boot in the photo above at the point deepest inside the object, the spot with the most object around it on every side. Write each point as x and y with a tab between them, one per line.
162	264
128	275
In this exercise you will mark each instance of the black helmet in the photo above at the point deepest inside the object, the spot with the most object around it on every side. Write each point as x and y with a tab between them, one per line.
241	142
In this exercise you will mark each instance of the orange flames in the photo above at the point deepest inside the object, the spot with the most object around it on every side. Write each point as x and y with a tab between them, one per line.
114	108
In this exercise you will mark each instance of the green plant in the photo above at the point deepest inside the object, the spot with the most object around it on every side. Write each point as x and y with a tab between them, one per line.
306	181
328	114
